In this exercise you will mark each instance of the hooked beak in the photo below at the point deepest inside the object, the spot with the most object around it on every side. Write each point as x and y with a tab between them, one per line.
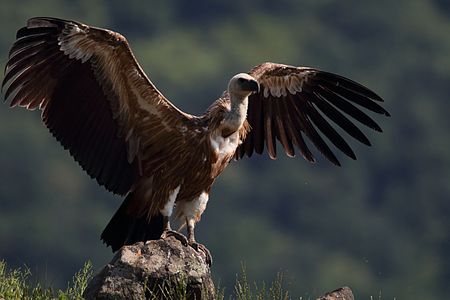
252	86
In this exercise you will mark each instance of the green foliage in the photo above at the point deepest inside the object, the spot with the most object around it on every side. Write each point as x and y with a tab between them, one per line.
79	283
15	284
244	290
173	289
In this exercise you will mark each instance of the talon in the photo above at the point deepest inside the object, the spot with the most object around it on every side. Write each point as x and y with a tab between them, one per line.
200	247
172	233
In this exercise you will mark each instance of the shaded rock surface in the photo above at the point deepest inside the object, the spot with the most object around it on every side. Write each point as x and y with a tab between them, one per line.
162	269
343	293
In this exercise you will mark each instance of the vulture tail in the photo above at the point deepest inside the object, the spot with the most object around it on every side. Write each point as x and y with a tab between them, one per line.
125	229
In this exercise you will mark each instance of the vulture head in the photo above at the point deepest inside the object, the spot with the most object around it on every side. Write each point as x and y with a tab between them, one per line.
243	85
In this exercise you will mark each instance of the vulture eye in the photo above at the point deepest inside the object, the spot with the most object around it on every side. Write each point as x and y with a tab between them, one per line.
241	80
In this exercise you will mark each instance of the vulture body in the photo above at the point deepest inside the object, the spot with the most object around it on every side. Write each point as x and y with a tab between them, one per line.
99	104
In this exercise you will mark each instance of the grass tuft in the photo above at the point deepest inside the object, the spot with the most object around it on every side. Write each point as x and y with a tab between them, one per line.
243	290
173	289
15	284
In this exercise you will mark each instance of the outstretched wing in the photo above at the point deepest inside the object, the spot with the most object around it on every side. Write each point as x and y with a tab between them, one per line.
94	97
295	102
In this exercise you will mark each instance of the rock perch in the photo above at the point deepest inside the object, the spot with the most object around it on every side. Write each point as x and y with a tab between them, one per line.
343	293
161	269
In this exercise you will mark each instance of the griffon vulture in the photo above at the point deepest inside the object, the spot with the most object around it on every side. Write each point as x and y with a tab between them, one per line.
99	104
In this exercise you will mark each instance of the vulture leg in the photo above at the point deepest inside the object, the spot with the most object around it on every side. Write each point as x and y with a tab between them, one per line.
197	246
168	232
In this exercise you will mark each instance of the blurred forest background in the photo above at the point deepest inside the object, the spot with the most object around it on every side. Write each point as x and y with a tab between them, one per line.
379	224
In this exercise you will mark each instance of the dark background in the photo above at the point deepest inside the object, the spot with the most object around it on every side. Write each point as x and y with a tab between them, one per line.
379	224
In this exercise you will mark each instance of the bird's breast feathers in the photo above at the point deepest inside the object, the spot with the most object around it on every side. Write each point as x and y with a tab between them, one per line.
224	147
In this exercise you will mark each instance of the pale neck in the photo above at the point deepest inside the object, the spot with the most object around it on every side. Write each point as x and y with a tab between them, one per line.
238	104
238	111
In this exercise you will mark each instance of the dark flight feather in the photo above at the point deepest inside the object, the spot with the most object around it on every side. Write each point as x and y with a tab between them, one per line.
295	102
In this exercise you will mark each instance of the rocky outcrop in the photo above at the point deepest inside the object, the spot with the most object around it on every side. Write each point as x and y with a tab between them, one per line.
162	269
344	293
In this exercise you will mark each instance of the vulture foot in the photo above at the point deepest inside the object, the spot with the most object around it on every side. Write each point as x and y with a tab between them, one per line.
200	247
172	233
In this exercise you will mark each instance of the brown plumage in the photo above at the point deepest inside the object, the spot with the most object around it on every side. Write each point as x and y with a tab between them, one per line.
99	104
